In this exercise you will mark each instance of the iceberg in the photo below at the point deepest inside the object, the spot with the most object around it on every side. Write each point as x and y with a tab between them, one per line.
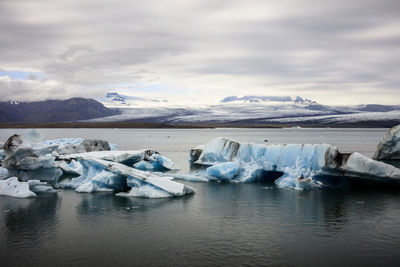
298	166
144	165
39	187
195	152
113	146
145	160
72	167
2	154
224	171
3	172
78	145
37	166
163	161
389	146
196	176
127	157
102	175
14	188
28	158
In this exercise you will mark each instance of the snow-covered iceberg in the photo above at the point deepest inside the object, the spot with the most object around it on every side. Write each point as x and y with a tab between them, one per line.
389	146
297	166
102	175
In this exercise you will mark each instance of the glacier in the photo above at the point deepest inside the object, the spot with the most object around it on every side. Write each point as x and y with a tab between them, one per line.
298	166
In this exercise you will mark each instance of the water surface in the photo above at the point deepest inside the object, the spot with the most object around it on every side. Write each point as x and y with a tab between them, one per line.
222	224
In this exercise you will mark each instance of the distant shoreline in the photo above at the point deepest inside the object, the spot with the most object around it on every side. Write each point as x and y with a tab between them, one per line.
142	125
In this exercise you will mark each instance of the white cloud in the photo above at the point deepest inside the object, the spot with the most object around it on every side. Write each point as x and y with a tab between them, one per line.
34	90
332	51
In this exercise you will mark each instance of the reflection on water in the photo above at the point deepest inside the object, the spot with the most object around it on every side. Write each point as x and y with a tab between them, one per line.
222	224
27	223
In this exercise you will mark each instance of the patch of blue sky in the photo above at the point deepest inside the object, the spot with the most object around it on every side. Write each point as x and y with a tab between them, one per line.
21	75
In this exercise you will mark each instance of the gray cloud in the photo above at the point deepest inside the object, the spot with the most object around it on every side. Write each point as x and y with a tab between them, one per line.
206	48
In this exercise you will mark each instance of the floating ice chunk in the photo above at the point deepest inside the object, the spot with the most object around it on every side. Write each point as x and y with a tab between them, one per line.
137	178
195	152
147	191
113	146
218	150
144	165
389	147
163	161
224	171
102	182
298	183
33	163
86	187
100	175
298	166
3	173
13	187
128	157
78	145
72	168
95	178
63	141
2	154
28	158
49	175
196	176
360	166
32	138
40	187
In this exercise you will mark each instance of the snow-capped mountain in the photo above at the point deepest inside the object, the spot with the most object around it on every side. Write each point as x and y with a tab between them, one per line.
233	110
114	99
257	110
267	100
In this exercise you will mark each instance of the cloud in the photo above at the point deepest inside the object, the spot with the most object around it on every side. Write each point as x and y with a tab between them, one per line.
202	51
35	90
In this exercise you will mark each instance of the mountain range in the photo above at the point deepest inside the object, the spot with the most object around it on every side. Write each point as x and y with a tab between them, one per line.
230	111
115	100
72	109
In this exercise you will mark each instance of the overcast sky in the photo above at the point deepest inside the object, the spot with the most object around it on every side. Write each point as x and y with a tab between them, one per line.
334	52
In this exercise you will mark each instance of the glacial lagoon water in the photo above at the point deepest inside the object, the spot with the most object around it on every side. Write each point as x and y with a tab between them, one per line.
222	224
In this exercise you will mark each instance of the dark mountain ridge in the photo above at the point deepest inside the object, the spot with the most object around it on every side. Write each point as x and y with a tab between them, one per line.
72	109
